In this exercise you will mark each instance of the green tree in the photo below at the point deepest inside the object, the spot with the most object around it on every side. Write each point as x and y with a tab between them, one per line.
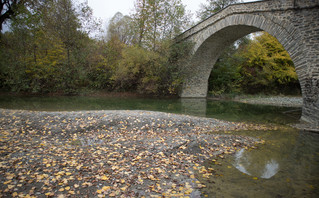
9	9
50	47
106	58
157	20
225	76
151	72
121	27
176	19
213	6
61	19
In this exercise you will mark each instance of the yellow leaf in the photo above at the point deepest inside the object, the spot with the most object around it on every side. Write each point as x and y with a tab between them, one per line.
255	178
71	192
106	188
76	185
49	194
104	178
60	173
9	177
115	167
99	191
67	188
151	177
61	189
189	191
7	182
124	188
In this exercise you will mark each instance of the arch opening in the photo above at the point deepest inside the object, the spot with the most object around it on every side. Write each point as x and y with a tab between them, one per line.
205	56
255	64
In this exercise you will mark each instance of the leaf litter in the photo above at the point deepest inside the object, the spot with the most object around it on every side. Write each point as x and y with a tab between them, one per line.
111	153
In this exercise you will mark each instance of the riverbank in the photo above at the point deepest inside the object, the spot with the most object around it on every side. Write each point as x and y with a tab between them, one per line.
111	153
283	101
88	93
286	101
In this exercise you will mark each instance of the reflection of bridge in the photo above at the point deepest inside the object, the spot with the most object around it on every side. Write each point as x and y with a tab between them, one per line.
295	23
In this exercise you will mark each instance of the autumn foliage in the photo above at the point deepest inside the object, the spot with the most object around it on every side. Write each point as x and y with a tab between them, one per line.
258	65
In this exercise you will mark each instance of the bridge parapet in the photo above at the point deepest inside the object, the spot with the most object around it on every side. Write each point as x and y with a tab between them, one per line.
251	7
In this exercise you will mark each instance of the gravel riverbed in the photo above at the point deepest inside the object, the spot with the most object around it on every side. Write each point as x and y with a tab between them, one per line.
274	100
111	153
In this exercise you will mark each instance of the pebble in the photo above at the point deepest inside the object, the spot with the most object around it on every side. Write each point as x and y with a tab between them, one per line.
153	153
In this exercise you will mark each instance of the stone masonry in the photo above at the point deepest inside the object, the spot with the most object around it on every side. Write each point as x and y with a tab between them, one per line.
295	23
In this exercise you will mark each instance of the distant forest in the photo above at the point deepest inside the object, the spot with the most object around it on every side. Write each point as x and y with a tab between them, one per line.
49	48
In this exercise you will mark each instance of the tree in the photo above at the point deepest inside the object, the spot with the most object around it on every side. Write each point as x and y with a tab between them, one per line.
176	19
157	20
9	9
213	6
48	48
61	19
267	66
257	65
121	27
225	76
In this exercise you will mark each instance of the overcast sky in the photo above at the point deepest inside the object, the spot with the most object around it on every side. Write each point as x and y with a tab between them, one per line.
105	9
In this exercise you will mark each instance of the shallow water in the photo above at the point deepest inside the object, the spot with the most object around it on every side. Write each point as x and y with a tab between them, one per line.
226	110
286	165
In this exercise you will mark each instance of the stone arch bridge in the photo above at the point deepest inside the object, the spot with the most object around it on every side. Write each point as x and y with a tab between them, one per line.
295	23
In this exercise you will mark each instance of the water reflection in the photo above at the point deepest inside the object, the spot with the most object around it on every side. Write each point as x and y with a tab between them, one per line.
245	163
226	110
194	106
285	166
271	169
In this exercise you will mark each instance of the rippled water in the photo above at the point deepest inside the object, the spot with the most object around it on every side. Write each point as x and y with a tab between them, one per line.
287	165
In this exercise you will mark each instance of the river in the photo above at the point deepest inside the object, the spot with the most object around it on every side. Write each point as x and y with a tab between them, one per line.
286	165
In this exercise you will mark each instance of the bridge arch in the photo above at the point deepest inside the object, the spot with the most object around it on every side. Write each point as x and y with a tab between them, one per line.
214	39
296	28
